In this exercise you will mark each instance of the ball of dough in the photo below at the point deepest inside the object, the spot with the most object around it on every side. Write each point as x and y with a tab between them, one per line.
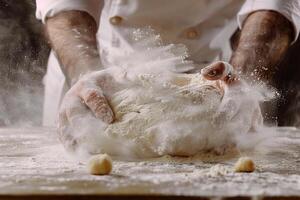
244	164
100	164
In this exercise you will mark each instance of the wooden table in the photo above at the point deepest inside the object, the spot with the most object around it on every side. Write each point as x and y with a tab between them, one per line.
34	166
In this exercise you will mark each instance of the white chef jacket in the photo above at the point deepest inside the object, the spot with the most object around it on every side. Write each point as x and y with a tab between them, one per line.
204	26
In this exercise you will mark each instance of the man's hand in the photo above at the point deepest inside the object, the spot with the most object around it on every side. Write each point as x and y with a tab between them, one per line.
261	45
240	103
258	49
88	93
85	100
72	35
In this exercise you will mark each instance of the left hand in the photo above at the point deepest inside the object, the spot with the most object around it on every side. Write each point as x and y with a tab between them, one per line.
83	105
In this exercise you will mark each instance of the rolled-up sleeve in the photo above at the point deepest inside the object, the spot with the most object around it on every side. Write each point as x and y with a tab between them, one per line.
289	8
48	8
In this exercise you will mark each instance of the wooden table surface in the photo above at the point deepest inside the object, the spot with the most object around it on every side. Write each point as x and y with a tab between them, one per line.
34	166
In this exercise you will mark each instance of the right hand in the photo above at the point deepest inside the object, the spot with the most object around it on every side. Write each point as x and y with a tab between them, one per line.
240	103
85	98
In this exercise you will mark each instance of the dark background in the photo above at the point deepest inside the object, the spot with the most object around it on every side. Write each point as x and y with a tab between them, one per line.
289	86
23	59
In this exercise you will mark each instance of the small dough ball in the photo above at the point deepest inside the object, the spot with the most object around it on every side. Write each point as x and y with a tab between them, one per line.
100	164
244	164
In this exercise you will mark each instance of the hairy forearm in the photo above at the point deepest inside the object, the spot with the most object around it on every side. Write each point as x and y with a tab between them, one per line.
263	42
72	35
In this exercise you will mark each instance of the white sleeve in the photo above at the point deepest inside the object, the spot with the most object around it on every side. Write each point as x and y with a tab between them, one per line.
288	8
48	8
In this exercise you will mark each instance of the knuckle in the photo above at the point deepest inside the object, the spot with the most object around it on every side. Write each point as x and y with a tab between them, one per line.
94	97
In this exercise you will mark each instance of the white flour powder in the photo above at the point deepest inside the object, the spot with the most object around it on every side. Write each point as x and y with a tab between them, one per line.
161	112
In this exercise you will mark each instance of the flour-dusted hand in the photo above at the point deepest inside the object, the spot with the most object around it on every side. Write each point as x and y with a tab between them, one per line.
86	98
240	102
88	92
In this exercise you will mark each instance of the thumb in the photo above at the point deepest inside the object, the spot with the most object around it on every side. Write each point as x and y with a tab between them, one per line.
97	103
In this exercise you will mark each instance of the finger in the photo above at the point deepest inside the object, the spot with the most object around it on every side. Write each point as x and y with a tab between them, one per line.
214	71
97	103
65	131
219	71
62	119
73	117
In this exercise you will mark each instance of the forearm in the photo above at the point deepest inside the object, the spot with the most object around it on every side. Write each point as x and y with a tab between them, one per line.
263	42
72	35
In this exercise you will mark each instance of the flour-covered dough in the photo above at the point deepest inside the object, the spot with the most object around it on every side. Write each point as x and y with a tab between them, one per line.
158	111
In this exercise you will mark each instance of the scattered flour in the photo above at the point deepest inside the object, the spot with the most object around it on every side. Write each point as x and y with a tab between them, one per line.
162	112
34	161
218	170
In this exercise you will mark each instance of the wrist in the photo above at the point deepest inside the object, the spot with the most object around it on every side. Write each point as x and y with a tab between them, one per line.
82	68
261	45
254	67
